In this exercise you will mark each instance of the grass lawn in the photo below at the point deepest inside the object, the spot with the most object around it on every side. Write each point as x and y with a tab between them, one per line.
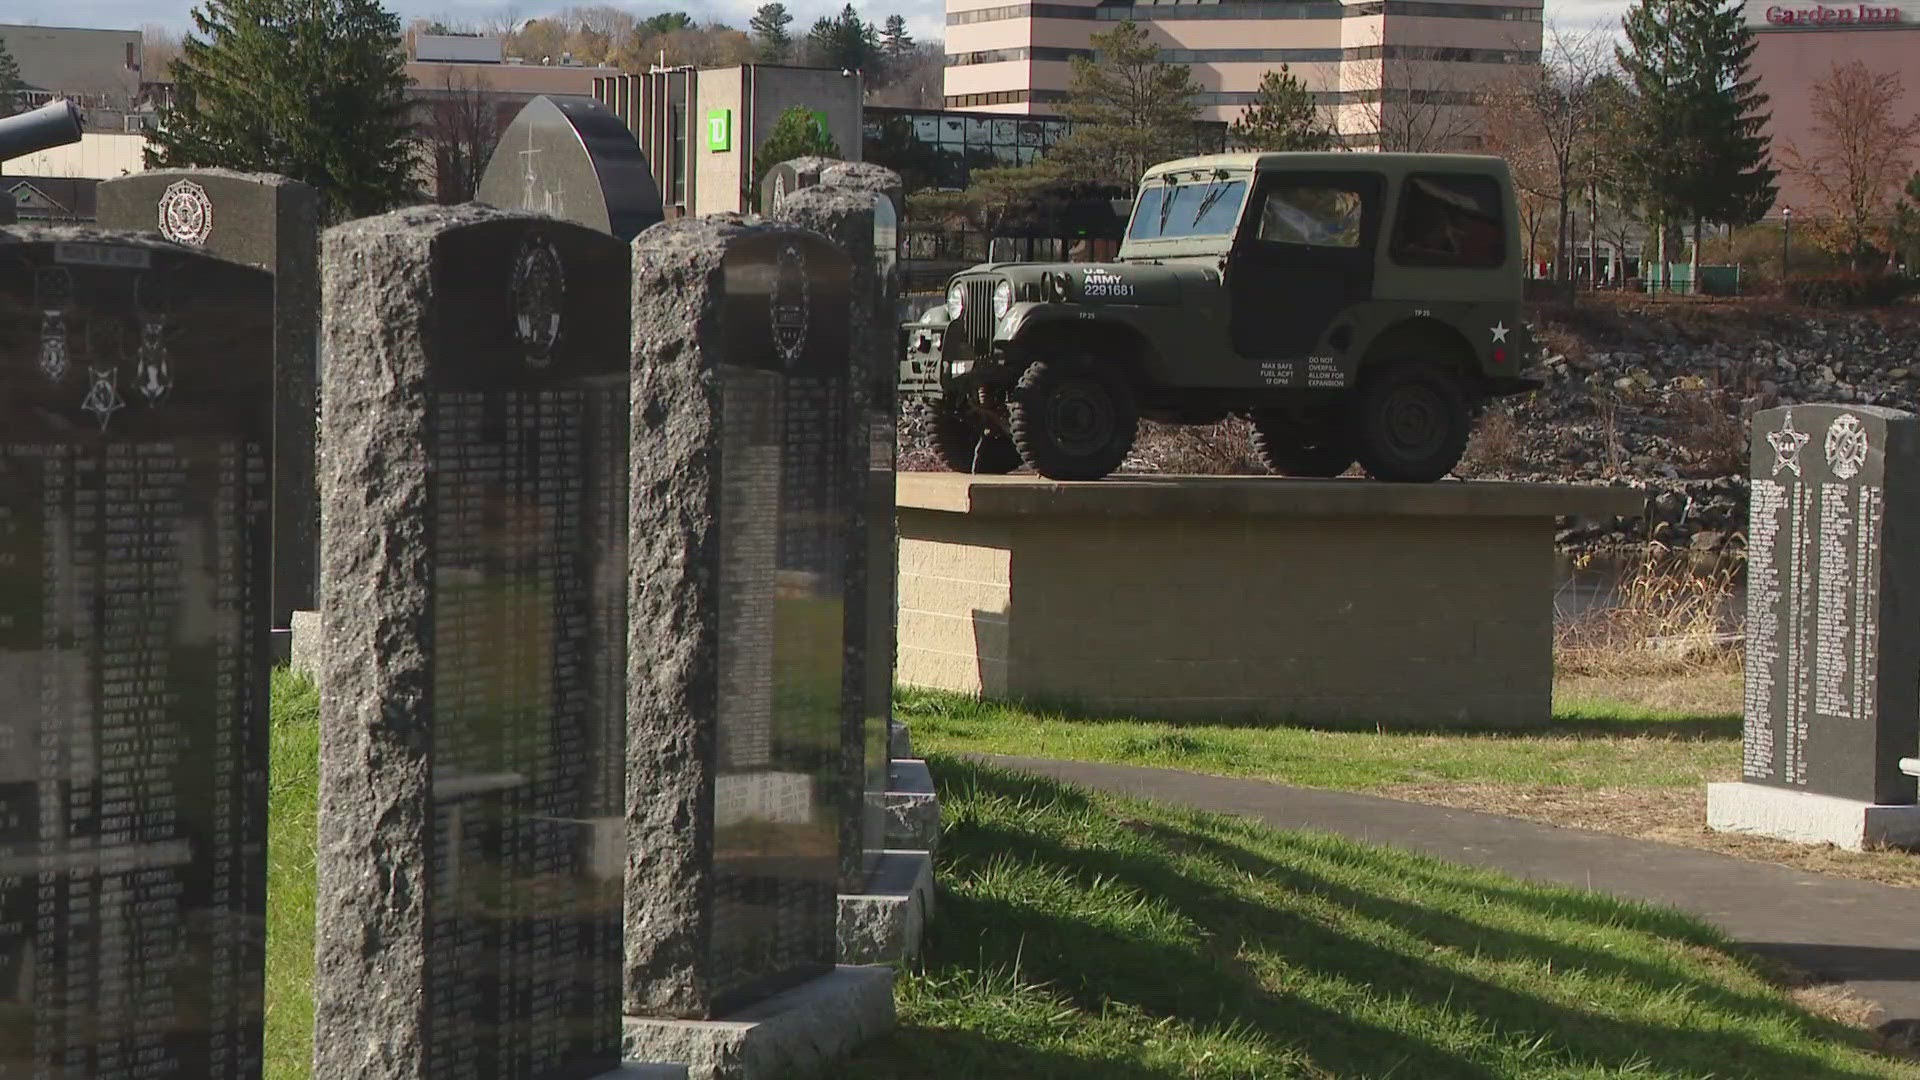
1625	756
1589	745
1085	936
1080	935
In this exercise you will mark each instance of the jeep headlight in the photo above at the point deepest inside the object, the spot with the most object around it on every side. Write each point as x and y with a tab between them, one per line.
956	299
1002	300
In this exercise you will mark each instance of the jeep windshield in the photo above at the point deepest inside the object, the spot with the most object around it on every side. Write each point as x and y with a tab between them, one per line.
1208	207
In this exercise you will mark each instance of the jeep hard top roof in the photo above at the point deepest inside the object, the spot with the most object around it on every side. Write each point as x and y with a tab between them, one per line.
1337	161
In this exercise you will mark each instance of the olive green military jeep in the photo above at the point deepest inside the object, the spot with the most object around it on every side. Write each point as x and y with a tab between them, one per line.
1356	307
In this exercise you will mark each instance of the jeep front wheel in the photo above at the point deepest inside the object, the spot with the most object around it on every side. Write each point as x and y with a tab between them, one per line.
1072	423
1411	423
1287	449
968	443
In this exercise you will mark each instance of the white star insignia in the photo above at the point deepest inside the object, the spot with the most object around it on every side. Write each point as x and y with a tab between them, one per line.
1786	447
1499	331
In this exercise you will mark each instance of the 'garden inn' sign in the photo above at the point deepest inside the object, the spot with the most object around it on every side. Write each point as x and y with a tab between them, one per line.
1822	17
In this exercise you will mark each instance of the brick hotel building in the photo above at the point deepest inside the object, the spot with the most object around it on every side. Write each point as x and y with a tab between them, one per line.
1372	63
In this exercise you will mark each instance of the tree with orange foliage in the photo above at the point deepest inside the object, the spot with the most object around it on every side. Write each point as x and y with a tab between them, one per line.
1861	154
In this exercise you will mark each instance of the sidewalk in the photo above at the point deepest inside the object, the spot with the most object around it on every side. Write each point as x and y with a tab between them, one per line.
1864	935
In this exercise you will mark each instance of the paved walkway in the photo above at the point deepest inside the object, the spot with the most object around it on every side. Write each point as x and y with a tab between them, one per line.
1855	932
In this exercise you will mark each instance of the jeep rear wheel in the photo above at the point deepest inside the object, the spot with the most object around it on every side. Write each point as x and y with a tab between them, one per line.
968	443
1287	449
1411	423
1072	422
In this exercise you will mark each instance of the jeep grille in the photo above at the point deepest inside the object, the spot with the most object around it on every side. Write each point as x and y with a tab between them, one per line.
977	318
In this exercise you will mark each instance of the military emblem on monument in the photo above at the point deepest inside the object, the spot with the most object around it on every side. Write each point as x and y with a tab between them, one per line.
153	370
1846	446
186	214
789	301
1786	445
538	290
53	290
103	397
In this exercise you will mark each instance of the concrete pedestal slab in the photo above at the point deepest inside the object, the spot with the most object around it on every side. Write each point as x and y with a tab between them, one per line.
884	924
1807	818
794	1034
913	810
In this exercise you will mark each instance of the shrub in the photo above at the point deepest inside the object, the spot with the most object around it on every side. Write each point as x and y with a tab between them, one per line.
1850	290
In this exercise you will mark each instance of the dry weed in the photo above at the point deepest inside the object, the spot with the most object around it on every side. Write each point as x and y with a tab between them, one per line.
1670	617
1494	448
1222	449
1708	426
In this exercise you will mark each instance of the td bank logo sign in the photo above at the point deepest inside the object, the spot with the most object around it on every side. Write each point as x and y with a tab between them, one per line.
1821	16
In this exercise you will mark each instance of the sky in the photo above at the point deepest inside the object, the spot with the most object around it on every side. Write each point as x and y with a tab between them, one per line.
924	17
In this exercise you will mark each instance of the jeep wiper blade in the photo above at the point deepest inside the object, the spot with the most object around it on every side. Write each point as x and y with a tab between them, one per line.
1215	189
1166	206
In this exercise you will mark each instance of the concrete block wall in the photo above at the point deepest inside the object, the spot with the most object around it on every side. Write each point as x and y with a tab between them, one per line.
1415	611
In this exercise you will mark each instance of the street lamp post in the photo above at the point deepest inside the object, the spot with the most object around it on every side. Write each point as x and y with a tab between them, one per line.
1786	239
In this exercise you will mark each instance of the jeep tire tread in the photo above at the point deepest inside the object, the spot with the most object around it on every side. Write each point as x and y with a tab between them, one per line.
1287	450
1072	421
1411	421
966	444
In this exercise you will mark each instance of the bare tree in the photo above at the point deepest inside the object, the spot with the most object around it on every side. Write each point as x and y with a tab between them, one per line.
159	47
1544	120
916	79
1861	155
461	129
1408	103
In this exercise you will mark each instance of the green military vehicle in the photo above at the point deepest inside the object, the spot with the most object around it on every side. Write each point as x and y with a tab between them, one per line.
1356	307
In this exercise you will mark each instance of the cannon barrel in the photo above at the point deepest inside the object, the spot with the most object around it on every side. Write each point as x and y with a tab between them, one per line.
56	123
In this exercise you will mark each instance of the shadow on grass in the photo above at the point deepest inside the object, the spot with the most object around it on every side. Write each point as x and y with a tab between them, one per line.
1570	724
1254	965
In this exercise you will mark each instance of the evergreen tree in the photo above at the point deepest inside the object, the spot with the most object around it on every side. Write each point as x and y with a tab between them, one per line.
1283	116
769	25
894	40
1130	109
1694	137
845	41
10	82
797	133
666	23
311	89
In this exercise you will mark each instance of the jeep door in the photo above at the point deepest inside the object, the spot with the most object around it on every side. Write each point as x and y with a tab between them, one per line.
1305	253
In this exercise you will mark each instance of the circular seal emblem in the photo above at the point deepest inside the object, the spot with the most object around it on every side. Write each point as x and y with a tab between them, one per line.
186	214
790	303
538	292
1846	446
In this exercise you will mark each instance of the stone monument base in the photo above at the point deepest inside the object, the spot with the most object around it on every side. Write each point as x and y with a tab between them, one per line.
305	644
1806	818
913	810
635	1070
884	924
795	1033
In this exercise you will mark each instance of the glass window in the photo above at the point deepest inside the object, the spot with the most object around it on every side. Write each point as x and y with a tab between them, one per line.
1449	221
1200	208
1320	214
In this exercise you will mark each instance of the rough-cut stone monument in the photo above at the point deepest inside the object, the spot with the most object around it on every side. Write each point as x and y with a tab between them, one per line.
850	219
569	157
474	546
1832	647
135	455
743	503
273	223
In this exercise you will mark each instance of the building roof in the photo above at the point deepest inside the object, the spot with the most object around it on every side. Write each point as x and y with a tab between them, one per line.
1332	160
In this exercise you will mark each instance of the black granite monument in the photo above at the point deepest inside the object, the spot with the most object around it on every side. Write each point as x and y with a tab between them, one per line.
474	545
743	502
135	454
273	223
569	157
1832	703
861	221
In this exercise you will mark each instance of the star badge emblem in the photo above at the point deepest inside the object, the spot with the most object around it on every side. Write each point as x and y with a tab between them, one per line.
103	398
1786	447
1500	331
